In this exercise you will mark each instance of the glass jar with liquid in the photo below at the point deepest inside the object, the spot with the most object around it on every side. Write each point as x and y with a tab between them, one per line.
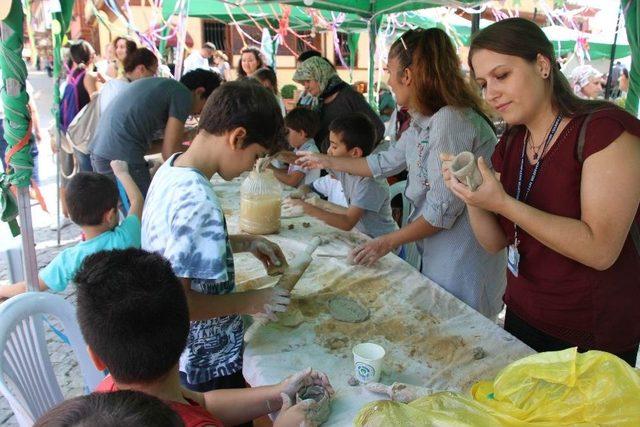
260	203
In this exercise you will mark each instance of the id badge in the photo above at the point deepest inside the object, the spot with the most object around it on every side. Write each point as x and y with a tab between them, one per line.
513	259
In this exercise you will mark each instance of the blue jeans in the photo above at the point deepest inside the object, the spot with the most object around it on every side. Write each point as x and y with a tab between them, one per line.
84	161
139	173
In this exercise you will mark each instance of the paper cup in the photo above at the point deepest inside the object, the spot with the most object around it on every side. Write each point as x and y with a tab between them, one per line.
367	358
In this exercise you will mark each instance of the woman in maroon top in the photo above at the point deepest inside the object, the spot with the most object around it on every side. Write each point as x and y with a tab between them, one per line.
567	173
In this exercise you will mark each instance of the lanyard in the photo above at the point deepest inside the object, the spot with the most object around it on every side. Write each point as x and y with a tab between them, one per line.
534	174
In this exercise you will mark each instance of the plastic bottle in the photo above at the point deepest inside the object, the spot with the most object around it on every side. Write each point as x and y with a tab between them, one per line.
260	202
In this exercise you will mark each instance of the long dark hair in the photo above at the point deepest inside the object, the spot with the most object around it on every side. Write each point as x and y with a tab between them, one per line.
436	71
80	52
142	56
524	39
258	55
131	46
269	75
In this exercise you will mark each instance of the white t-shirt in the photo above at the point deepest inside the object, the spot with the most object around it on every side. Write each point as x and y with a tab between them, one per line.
310	175
109	92
195	61
330	188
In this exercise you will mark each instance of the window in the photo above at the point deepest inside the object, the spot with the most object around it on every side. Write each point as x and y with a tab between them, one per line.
345	52
216	33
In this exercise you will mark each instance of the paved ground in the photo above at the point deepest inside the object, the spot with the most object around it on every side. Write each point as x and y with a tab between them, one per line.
63	360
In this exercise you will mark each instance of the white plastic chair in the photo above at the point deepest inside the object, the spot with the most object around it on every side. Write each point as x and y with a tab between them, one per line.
25	364
411	254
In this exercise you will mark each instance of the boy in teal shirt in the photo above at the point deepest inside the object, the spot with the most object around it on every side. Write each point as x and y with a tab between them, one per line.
93	205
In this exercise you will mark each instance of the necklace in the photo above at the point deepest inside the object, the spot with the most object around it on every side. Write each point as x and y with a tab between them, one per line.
535	148
529	141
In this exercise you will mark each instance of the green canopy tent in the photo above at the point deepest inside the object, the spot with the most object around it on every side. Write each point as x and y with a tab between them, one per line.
17	132
632	20
565	39
371	11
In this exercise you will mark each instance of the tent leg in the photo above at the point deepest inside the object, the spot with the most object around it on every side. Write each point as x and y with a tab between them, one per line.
28	244
59	145
607	89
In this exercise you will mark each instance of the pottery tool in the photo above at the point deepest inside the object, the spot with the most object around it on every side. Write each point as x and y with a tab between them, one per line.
288	280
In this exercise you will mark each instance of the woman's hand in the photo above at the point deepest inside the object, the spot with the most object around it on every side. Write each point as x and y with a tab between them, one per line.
310	160
370	252
490	195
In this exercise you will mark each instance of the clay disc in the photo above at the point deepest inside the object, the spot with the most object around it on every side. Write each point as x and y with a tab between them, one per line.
348	310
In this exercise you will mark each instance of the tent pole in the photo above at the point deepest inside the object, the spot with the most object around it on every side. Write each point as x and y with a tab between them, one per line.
373	32
607	90
59	27
17	115
475	21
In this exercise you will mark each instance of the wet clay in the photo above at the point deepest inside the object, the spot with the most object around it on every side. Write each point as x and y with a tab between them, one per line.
291	318
347	310
478	353
320	412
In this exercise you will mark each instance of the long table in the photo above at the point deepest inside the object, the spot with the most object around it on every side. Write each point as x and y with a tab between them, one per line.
430	337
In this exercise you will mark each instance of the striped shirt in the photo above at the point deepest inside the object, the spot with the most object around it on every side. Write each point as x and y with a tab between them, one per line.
452	257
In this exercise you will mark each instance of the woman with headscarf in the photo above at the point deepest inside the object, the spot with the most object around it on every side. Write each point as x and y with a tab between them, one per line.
586	81
335	97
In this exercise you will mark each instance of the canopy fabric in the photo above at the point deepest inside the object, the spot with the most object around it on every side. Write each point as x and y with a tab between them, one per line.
372	8
17	118
265	14
564	40
632	20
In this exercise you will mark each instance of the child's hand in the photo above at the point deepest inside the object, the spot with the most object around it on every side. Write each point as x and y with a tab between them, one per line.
286	156
310	160
265	303
119	167
291	202
370	252
299	415
293	383
268	253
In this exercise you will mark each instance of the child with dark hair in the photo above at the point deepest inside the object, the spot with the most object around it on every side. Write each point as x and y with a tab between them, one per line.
93	205
134	316
301	125
268	78
369	209
126	127
184	222
126	408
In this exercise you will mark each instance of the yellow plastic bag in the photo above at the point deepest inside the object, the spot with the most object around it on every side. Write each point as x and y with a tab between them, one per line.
547	389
